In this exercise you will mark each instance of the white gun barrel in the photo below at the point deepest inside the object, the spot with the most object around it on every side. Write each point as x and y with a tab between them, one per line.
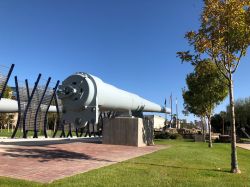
11	106
84	95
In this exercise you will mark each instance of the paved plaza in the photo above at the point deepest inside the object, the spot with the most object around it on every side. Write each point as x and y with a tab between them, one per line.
46	161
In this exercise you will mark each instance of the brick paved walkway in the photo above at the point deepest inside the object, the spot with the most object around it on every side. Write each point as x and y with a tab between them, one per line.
244	146
49	162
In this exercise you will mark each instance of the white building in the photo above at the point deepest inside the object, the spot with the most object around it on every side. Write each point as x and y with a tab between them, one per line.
158	121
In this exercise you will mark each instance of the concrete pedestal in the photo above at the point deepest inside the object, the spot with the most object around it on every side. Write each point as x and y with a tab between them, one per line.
128	131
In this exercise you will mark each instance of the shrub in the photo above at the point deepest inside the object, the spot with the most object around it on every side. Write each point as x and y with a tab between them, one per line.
167	135
217	140
162	135
176	136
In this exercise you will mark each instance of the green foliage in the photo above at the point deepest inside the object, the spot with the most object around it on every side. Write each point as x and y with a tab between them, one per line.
216	122
162	135
176	136
206	89
7	93
245	140
167	135
242	116
224	34
6	119
242	113
6	133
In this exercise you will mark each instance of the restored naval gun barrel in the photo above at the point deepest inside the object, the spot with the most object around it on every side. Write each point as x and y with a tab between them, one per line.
11	106
84	96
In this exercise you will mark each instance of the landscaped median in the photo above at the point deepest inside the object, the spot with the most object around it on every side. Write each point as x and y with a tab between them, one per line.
185	163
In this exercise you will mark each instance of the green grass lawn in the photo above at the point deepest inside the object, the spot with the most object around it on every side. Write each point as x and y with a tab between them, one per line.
19	134
183	164
6	133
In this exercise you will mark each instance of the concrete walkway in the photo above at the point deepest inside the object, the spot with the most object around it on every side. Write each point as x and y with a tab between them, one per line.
46	161
244	146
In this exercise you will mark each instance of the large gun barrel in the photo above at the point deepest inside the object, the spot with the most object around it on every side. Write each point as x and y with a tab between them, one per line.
84	96
11	106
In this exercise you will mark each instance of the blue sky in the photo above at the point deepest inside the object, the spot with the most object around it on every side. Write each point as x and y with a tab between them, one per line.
131	44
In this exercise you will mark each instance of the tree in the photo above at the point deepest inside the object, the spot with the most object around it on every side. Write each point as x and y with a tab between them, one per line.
7	93
206	89
224	36
217	123
192	100
6	118
242	115
223	116
220	122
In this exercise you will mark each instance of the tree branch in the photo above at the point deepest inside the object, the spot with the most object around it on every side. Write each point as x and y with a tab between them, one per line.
238	61
221	71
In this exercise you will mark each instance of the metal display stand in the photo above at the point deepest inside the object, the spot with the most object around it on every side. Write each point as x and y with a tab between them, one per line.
4	80
33	107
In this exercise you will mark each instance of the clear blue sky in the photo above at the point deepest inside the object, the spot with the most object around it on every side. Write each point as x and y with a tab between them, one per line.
131	44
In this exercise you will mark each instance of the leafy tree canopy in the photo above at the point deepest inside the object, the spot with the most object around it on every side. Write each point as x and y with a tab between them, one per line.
7	93
206	89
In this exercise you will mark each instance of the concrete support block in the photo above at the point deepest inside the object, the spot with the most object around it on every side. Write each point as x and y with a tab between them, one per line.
128	131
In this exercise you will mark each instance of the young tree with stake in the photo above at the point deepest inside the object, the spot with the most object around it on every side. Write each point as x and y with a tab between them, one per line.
206	89
224	36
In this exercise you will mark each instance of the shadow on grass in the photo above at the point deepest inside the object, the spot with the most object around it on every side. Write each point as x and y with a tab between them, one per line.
181	167
46	155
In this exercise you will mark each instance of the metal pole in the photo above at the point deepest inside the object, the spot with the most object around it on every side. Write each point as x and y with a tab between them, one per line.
77	135
38	108
58	119
27	88
46	113
28	105
70	131
165	105
19	109
177	113
171	103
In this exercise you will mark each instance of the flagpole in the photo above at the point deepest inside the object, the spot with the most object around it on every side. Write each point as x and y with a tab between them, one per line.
165	105
176	113
171	103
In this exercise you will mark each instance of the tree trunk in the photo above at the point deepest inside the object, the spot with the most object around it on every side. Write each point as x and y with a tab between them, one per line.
223	124
210	144
203	128
234	161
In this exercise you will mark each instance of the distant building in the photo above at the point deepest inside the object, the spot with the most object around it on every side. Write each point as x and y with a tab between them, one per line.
158	121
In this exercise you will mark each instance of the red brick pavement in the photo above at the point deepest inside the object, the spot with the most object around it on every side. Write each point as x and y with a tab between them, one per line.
47	163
